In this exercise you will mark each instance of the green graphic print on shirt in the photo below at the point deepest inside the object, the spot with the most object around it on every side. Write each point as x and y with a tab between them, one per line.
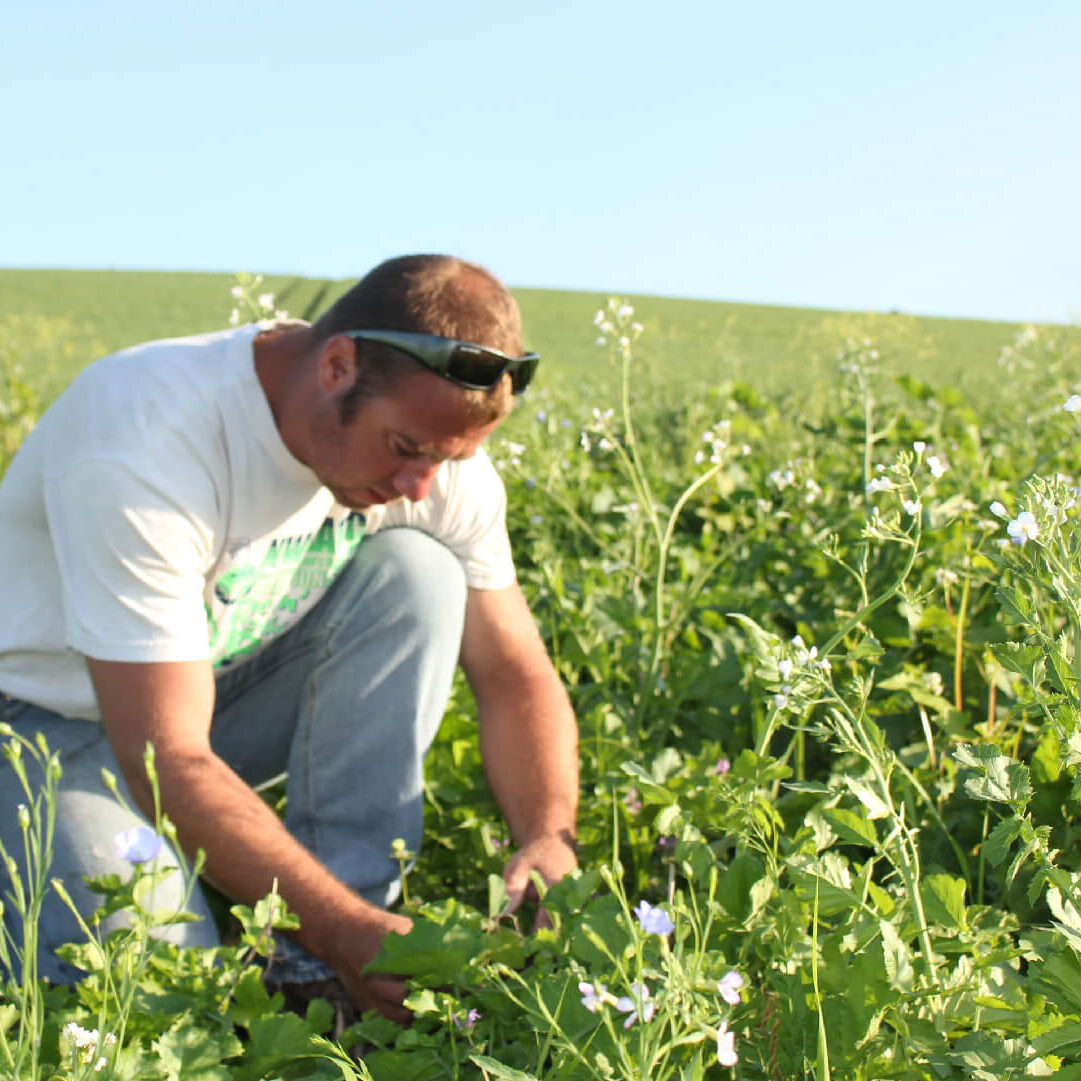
254	602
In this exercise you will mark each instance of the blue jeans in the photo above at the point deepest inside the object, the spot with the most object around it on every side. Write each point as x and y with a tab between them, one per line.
345	705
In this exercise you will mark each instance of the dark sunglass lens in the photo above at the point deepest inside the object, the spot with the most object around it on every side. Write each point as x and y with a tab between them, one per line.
475	368
521	373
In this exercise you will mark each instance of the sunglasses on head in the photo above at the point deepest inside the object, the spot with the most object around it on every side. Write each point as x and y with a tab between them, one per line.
469	365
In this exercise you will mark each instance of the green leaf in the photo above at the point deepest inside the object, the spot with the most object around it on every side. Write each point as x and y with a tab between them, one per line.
1024	658
991	775
944	900
250	999
190	1051
867	794
497	1069
897	958
498	898
1000	839
852	828
735	884
1016	608
436	951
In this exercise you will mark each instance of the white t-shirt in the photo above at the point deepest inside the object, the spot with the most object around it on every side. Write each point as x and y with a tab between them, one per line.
154	514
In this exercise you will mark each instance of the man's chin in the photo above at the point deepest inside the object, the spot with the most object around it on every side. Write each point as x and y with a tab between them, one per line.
362	500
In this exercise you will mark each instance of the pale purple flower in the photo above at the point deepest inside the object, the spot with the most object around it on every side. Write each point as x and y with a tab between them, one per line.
470	1019
726	1046
593	997
638	1006
632	801
140	844
653	919
729	986
722	767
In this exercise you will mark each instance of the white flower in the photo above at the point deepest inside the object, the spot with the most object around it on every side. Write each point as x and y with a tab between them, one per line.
266	302
999	511
945	577
780	700
1073	404
878	484
911	506
726	1046
624	311
933	682
936	465
236	292
785	666
1023	528
919	446
729	986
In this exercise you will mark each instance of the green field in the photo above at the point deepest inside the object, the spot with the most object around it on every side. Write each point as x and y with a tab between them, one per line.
774	348
812	582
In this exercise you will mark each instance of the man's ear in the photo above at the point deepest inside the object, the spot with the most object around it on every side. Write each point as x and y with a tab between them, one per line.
337	364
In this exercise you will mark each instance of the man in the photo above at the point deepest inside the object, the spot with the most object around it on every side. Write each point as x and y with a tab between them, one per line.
264	551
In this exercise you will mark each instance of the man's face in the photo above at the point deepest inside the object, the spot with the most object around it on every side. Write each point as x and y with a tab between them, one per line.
393	446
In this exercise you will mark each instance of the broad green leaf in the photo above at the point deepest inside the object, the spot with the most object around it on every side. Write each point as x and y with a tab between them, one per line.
897	958
666	763
991	775
1026	659
191	1051
944	900
852	828
865	792
430	950
1000	839
1016	608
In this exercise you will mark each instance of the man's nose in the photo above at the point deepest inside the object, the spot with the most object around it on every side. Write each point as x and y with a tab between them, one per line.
415	481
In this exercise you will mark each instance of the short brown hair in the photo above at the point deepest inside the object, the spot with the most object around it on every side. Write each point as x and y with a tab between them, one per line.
426	294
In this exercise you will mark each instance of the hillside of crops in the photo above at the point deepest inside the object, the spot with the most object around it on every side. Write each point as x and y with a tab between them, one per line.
813	582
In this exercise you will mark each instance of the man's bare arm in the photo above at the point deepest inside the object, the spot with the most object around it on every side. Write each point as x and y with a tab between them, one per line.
247	847
528	734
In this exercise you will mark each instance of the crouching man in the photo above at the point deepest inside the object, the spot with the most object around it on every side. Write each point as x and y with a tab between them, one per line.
264	551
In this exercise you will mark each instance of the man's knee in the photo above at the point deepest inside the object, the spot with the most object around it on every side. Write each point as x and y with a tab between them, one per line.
421	573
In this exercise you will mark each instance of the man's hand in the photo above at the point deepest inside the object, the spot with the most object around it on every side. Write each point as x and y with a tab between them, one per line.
551	856
375	990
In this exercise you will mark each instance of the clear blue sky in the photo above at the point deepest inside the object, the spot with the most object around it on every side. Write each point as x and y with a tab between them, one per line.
920	156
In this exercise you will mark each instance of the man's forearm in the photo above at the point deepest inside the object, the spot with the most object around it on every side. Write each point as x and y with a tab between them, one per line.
248	849
529	743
